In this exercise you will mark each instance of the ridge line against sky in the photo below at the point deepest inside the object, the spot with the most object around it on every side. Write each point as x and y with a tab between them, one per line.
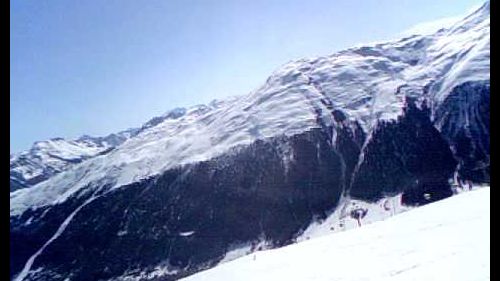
94	68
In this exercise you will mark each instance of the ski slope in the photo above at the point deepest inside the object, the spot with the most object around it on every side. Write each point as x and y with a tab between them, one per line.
446	240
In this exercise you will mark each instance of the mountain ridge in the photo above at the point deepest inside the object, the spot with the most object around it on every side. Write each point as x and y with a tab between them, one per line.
406	118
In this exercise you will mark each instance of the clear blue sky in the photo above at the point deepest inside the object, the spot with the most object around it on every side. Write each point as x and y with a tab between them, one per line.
100	66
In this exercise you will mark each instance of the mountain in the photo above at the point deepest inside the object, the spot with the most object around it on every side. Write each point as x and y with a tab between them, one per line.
47	158
405	119
453	245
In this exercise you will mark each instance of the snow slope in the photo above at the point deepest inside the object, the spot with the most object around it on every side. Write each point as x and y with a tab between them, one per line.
344	217
367	83
445	240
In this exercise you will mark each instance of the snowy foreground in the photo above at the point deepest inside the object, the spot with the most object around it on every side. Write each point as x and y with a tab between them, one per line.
446	240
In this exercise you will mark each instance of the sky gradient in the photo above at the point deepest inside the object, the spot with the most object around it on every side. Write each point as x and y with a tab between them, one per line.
96	67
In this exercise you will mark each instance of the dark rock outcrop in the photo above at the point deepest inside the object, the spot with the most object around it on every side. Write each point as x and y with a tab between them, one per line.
464	119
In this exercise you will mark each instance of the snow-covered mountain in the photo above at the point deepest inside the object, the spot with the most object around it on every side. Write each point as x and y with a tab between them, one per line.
47	158
403	119
445	240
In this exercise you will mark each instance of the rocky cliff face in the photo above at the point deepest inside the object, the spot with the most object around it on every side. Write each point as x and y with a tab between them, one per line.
404	118
464	120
